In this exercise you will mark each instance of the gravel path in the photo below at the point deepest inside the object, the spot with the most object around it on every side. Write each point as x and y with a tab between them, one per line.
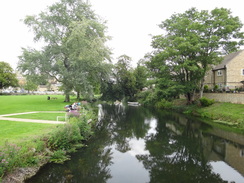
4	117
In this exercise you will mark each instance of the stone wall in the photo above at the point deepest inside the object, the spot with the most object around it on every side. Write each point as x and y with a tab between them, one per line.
237	98
234	71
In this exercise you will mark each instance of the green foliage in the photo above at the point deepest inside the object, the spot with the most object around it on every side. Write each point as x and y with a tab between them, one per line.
123	82
82	123
141	75
59	156
148	98
205	88
64	136
7	76
13	156
75	53
216	87
32	143
124	76
205	102
192	42
30	86
164	104
225	112
78	129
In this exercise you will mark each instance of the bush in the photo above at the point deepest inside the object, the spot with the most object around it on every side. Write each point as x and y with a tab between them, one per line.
64	136
55	145
13	156
85	128
147	98
205	89
205	102
59	156
164	104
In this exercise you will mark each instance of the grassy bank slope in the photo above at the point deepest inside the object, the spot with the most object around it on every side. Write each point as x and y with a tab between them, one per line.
224	113
31	144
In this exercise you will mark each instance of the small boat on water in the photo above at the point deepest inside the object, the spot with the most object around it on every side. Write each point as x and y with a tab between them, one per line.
117	102
133	103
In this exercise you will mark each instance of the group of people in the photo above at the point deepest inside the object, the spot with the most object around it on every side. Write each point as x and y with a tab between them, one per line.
73	107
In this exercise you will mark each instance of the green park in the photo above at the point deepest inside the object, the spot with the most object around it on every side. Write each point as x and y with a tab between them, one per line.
39	128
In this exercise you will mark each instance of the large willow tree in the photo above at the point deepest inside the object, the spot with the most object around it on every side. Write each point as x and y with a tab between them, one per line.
74	53
191	42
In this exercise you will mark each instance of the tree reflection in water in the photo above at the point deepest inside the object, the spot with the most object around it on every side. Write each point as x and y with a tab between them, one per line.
176	159
172	149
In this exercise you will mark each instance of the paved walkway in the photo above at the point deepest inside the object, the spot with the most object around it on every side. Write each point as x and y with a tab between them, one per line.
5	117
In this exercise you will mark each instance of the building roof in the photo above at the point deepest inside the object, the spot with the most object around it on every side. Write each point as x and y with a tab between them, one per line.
226	60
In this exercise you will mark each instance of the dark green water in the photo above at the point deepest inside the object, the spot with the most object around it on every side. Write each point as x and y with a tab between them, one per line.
136	145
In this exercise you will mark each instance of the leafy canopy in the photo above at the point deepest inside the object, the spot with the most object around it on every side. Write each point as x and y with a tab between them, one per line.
74	53
191	43
7	76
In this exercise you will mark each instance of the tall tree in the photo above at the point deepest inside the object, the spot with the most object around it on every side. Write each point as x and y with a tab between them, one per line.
192	42
141	75
75	53
125	77
7	76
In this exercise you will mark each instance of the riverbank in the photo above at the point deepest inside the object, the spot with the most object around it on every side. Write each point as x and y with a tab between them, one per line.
22	160
28	143
223	113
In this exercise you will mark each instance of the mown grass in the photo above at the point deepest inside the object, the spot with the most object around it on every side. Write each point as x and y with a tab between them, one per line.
41	116
14	131
224	112
227	114
26	103
28	144
17	132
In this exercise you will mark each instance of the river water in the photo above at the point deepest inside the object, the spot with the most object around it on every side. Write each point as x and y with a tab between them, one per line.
137	145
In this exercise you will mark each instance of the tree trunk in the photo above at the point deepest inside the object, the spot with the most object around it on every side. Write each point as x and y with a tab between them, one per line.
67	98
201	88
189	98
78	95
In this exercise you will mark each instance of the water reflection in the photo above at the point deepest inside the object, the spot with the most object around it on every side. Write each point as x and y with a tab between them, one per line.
134	144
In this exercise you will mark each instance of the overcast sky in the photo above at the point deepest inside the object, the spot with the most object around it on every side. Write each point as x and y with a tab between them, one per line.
130	22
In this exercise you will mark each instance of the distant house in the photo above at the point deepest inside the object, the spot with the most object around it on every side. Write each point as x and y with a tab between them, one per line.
229	74
52	85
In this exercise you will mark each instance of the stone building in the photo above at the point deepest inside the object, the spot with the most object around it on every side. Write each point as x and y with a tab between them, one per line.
229	74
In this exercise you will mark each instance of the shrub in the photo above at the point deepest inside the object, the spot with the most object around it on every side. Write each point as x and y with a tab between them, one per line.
64	136
216	87
59	156
205	102
205	89
148	98
84	127
164	104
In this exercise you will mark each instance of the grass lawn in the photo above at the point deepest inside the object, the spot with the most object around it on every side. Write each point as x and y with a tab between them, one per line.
27	103
17	132
225	112
41	116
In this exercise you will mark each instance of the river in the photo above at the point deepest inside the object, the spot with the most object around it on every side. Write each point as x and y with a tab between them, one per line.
137	145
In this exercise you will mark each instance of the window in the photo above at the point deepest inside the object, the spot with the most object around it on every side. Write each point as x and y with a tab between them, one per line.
242	72
242	152
219	73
